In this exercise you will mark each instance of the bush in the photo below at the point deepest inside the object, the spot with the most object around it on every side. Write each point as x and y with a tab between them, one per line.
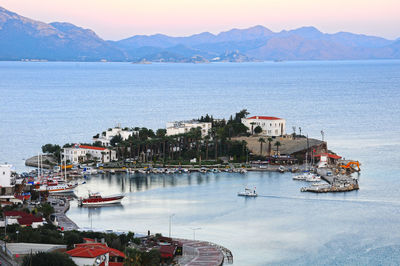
48	259
258	130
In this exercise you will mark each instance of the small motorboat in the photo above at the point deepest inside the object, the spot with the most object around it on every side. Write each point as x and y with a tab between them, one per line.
281	169
248	193
313	178
95	199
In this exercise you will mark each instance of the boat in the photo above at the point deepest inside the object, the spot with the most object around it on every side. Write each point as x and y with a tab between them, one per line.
57	188
248	193
95	199
313	178
281	169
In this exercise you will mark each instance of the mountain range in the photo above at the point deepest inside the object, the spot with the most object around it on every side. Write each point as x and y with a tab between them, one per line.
22	38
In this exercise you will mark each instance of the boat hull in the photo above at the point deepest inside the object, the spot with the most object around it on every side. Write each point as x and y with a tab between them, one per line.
103	201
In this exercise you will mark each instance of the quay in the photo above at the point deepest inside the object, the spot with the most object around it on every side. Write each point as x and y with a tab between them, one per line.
61	206
203	253
336	183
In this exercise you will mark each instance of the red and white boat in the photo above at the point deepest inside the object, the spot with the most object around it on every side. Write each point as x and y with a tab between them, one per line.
95	199
57	188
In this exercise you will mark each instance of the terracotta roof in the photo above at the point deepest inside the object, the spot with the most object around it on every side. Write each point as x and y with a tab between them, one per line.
264	117
330	155
23	217
15	214
167	251
28	220
91	147
87	252
100	246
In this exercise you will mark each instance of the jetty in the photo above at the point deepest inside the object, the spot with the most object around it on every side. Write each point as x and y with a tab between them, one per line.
203	253
61	206
335	183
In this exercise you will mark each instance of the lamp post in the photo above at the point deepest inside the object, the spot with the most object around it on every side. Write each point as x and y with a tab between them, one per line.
194	232
170	221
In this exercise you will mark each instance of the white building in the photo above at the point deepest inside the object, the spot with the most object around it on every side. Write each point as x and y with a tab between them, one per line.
271	126
80	153
7	179
106	136
175	128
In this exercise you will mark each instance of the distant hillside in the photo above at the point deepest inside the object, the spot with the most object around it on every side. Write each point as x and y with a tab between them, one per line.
23	38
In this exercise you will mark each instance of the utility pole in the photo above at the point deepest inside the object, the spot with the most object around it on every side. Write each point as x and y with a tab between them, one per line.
170	221
194	232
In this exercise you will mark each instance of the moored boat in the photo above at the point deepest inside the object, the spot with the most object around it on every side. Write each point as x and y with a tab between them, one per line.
95	199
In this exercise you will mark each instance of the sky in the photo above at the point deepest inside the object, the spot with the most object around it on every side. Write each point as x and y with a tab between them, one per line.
118	19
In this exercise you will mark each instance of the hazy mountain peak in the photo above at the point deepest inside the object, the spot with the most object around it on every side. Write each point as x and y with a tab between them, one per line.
22	37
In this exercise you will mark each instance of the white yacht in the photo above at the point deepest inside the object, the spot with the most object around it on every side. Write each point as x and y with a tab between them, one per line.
248	193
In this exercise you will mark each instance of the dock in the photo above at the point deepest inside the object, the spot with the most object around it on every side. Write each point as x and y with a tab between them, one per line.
59	212
203	253
336	183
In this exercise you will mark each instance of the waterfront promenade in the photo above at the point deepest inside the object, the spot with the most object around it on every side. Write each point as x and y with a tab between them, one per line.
202	253
60	210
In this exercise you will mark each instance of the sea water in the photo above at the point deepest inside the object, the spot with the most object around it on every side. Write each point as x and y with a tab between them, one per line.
356	104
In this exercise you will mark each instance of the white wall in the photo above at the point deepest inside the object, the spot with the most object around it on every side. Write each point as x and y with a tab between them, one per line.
5	176
175	128
275	127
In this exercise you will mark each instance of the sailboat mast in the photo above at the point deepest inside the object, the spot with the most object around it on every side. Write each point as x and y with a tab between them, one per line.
65	167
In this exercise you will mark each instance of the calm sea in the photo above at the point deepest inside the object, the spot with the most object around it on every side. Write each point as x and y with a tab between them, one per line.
356	103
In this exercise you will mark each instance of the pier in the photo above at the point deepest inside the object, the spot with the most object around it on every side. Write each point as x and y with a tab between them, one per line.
202	253
336	183
60	210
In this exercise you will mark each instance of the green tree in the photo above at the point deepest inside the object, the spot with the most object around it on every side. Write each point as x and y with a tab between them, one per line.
116	140
258	130
277	144
261	140
46	209
48	259
269	145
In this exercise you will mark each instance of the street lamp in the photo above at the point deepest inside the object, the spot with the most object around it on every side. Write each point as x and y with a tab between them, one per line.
194	232
170	221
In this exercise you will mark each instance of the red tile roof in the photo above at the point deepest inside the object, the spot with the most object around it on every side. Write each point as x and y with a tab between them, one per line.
98	246
23	217
87	252
264	117
15	214
167	251
91	147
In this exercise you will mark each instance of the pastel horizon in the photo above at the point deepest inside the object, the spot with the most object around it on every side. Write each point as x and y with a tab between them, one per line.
122	19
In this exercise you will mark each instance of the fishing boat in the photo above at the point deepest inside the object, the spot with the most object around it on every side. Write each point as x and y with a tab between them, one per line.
57	188
248	193
95	199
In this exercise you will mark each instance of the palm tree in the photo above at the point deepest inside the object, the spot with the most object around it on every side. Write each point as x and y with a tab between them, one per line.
207	138
269	145
277	144
261	140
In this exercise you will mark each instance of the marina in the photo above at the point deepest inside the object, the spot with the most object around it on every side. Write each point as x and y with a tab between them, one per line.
288	221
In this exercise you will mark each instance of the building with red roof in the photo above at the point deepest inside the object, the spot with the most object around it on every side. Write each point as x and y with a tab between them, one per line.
81	153
96	254
23	219
270	125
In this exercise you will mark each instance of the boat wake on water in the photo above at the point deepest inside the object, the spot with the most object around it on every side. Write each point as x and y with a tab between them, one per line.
332	199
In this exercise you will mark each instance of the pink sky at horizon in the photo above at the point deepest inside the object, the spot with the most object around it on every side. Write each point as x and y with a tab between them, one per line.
124	18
